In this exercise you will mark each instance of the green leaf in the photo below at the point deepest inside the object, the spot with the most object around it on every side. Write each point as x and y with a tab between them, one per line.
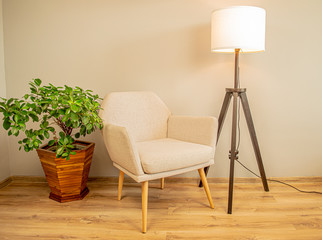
66	141
85	119
64	154
83	130
68	124
75	124
60	151
22	126
62	135
14	130
79	102
45	124
70	139
54	105
73	153
26	148
61	112
77	135
36	144
51	129
65	118
33	90
6	124
37	81
46	134
67	111
28	134
34	117
99	125
10	101
51	142
74	117
38	110
89	126
16	117
74	108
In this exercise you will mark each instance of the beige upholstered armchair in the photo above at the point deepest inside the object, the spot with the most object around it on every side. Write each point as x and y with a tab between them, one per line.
146	142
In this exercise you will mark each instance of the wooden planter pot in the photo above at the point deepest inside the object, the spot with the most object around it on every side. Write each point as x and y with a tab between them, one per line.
67	179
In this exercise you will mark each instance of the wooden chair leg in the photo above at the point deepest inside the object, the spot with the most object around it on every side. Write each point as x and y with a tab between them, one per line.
121	178
162	183
205	184
145	188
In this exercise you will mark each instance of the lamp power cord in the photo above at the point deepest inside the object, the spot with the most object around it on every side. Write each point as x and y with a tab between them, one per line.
271	180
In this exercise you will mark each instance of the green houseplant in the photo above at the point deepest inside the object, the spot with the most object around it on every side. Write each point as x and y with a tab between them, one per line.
74	113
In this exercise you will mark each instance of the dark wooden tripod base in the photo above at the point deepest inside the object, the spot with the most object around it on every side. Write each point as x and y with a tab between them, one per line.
233	154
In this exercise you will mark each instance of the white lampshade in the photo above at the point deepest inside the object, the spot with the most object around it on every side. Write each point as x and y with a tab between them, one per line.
241	27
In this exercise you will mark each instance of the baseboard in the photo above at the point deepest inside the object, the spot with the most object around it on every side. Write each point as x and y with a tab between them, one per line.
5	182
248	180
28	179
210	179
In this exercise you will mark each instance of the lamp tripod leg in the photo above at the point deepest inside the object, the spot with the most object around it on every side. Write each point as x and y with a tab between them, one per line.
253	137
233	153
239	93
221	119
223	113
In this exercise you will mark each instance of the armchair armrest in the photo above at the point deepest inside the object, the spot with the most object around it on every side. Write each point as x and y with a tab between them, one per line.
121	148
201	130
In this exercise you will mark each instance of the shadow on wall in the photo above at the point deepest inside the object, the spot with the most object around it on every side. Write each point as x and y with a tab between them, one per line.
4	150
101	163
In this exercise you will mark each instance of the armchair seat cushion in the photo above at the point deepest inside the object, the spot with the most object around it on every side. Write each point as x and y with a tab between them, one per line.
169	154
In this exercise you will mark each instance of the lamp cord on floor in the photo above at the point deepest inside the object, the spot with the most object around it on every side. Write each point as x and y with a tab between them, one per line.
271	180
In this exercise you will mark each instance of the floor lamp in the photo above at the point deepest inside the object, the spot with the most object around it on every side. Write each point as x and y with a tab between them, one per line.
238	30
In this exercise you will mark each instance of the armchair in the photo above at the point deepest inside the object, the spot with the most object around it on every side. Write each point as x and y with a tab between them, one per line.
146	142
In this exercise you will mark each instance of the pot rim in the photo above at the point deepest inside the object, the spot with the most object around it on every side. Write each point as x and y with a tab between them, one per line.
84	143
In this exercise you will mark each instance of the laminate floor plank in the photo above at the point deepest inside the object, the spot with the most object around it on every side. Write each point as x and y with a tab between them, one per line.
179	211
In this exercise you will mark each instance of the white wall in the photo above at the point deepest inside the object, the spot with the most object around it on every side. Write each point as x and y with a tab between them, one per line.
4	150
164	46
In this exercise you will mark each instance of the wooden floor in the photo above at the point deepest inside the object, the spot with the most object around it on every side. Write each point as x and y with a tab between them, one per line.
180	211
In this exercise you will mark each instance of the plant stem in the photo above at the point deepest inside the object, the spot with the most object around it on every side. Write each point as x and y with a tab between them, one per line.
62	125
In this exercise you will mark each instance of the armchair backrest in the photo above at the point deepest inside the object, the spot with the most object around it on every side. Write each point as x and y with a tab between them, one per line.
143	114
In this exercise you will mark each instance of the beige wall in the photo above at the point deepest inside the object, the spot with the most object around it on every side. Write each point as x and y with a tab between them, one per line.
4	150
163	46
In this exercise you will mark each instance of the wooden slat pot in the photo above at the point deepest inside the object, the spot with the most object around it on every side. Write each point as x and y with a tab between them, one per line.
67	179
